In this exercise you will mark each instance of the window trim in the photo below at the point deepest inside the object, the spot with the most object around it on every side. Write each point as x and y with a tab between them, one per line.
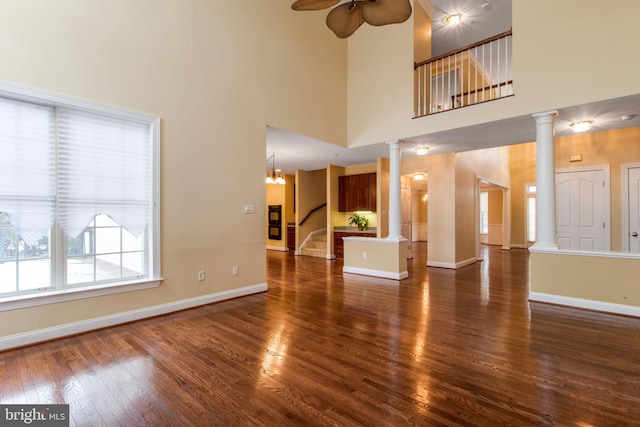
56	295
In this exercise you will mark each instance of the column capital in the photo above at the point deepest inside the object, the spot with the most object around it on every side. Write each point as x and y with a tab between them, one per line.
550	114
394	143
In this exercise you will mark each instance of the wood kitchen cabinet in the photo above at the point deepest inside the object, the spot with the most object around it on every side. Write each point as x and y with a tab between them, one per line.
357	192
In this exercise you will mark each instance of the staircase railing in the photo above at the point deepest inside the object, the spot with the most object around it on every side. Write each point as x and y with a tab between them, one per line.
311	212
471	75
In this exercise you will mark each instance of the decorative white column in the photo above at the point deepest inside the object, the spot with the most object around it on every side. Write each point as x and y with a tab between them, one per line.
545	182
395	218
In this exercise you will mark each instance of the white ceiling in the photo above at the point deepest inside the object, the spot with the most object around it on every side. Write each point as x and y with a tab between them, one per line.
481	19
299	152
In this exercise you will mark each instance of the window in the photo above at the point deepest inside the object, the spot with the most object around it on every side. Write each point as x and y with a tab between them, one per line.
484	212
78	198
531	212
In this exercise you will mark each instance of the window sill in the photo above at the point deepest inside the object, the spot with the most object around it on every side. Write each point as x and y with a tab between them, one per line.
71	294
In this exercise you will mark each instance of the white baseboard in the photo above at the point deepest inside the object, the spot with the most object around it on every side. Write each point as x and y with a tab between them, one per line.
376	273
451	265
32	337
606	307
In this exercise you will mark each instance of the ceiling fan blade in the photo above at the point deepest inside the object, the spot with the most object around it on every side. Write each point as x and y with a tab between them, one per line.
383	12
313	4
345	19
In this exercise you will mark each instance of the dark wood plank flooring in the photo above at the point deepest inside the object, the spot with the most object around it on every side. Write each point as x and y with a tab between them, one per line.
442	348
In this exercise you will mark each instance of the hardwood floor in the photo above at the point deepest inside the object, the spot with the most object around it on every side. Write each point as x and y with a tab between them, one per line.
449	348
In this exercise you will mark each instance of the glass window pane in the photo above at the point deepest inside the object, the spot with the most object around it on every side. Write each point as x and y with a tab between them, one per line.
107	267
132	263
80	270
131	243
107	240
531	219
33	274
7	276
81	245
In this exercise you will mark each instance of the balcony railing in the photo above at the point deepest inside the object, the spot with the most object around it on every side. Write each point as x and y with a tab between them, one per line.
471	75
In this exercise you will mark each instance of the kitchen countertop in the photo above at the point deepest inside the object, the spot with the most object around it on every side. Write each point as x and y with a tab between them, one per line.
370	230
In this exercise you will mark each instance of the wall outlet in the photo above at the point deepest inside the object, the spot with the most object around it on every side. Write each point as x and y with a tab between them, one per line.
235	270
364	255
200	276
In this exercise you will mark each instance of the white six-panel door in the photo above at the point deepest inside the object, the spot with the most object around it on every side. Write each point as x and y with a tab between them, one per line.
582	203
634	210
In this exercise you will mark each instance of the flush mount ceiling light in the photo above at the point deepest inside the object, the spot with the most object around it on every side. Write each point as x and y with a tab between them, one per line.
582	126
421	151
453	20
418	177
275	175
346	18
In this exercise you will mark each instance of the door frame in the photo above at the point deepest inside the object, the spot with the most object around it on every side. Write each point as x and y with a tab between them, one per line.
506	214
606	169
626	242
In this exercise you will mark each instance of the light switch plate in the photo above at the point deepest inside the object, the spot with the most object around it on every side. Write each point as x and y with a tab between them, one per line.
249	209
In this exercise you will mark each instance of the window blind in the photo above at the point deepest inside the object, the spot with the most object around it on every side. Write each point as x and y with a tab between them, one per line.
103	167
27	167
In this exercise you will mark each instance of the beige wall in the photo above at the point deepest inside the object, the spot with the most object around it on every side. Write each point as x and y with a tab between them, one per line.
545	77
276	195
421	33
217	73
375	257
382	198
334	216
491	165
311	192
613	148
604	279
522	169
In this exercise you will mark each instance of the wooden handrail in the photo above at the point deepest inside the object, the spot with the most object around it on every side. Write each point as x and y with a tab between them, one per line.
310	212
462	49
495	86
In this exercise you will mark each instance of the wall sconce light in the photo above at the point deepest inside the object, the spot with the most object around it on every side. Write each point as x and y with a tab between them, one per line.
275	175
422	151
581	126
453	20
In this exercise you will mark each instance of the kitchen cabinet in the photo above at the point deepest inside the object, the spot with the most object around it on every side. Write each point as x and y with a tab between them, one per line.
357	192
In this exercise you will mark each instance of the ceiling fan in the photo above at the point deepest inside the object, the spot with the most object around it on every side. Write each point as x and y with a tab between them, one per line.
346	18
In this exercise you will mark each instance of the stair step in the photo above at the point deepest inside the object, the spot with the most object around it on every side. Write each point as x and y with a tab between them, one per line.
316	244
315	252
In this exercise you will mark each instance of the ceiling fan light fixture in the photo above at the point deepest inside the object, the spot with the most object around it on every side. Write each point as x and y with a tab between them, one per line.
385	12
581	126
453	20
346	18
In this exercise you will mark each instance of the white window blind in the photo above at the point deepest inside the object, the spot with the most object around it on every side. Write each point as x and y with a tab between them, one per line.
103	168
27	167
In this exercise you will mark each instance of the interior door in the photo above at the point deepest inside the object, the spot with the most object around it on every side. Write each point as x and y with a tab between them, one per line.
582	210
634	210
